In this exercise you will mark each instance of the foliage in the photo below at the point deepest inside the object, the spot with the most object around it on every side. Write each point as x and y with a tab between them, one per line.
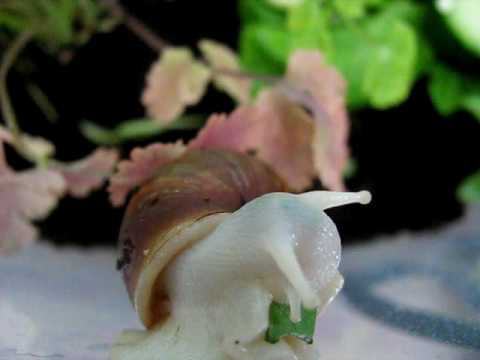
299	145
287	83
469	190
31	194
137	129
381	47
55	23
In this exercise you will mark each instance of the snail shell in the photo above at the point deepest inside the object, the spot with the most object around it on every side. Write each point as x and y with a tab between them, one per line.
184	203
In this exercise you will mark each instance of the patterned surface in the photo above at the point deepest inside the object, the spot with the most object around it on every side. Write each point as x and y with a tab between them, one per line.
411	297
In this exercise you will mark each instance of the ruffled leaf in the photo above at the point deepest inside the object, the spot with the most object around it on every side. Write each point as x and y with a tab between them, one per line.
174	82
221	57
88	174
25	196
274	129
324	95
141	166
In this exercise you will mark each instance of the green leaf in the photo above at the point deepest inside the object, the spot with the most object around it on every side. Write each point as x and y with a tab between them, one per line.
350	9
471	103
260	11
264	48
379	55
59	18
446	89
350	169
391	71
452	91
462	16
469	190
12	22
280	324
351	57
307	25
137	129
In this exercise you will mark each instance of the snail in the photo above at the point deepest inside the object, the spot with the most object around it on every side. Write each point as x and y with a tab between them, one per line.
209	243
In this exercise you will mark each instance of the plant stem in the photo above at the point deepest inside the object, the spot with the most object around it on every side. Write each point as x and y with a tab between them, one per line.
136	26
159	44
9	58
7	111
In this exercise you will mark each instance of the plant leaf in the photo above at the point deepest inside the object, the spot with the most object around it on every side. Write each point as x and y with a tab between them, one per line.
174	82
280	324
469	189
85	175
451	91
137	129
142	165
462	16
325	91
446	89
220	57
260	11
24	196
307	25
392	67
264	48
274	129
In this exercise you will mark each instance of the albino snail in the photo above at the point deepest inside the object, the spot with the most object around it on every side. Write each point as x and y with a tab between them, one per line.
209	243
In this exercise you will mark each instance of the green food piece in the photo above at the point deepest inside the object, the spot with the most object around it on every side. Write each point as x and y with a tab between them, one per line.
469	190
280	324
137	129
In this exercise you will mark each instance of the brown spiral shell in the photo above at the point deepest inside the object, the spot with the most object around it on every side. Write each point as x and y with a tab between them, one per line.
183	203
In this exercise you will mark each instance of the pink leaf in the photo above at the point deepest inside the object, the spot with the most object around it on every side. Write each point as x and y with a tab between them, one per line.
143	164
25	196
274	129
174	82
220	57
88	174
307	71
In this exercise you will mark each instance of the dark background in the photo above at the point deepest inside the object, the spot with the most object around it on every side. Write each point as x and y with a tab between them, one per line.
409	157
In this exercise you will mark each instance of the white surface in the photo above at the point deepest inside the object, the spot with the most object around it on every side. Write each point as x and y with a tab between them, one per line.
71	303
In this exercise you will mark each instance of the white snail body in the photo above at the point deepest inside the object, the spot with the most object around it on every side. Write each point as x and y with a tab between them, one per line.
277	247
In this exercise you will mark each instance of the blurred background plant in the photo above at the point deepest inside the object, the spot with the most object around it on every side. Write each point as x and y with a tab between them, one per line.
382	48
75	63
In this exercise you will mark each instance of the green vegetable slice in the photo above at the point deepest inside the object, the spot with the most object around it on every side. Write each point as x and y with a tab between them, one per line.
280	324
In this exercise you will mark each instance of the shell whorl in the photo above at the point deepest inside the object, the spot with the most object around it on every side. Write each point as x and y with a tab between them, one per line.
183	203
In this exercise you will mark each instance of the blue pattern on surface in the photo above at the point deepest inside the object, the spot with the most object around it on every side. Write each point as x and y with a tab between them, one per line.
454	272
